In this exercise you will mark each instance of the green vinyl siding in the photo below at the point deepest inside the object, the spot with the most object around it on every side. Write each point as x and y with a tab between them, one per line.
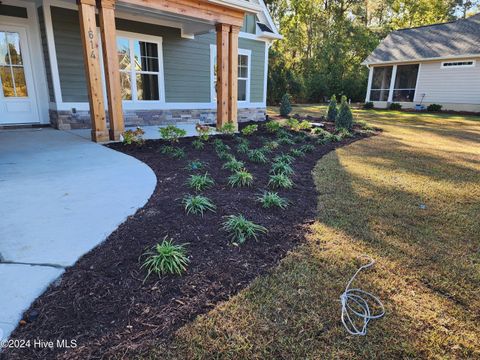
186	62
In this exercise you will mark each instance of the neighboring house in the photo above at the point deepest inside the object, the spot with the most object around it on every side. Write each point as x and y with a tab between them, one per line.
435	64
70	65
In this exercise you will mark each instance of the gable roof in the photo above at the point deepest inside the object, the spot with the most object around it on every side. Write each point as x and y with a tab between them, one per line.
449	40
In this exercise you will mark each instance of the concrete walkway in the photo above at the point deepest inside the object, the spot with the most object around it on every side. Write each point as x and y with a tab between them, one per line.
61	195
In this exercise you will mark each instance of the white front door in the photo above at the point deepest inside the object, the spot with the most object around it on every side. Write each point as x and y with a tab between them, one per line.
17	93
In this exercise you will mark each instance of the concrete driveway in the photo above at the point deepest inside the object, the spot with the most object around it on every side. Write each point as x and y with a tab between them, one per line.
61	195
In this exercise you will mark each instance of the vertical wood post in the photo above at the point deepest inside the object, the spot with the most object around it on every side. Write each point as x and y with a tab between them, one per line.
233	75
110	61
88	30
223	31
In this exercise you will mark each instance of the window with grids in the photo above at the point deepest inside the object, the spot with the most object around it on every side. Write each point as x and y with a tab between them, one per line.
12	73
243	74
139	64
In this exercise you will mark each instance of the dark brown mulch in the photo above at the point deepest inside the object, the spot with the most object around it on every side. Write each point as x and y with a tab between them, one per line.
102	302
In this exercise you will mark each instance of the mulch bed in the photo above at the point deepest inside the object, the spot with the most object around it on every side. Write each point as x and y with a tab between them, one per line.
102	301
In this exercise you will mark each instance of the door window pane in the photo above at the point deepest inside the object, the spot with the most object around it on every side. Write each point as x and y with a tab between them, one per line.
7	81
147	87
13	44
12	73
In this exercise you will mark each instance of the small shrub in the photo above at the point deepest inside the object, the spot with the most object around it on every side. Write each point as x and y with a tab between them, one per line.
344	118
257	156
243	148
228	129
241	229
134	136
167	149
271	145
242	140
165	258
281	168
434	107
280	181
297	153
395	106
270	199
286	141
203	131
293	124
233	165
240	178
197	204
282	133
305	125
198	144
195	165
171	133
324	135
200	182
332	109
272	126
344	133
368	105
178	153
249	130
307	148
225	155
284	158
285	106
301	137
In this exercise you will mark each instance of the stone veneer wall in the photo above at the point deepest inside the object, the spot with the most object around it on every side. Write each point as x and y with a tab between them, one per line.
66	120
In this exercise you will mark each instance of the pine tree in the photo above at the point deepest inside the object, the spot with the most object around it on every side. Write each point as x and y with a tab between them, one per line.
344	118
332	109
285	106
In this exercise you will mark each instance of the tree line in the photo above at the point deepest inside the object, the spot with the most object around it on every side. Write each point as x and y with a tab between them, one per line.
325	41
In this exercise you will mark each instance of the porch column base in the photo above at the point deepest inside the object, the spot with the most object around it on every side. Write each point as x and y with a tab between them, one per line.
115	134
100	136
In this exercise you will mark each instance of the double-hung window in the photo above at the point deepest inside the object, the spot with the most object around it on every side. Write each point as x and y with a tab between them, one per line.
140	63
244	71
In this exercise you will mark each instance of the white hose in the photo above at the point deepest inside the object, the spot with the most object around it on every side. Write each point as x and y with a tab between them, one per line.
361	307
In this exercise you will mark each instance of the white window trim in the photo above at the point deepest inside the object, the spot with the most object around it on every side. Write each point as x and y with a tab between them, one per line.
131	37
213	54
444	66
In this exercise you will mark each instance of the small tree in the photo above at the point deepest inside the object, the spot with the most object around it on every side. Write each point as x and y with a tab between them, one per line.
344	118
285	106
332	109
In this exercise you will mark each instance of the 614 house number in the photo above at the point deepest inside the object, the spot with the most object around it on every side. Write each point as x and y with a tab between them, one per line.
91	36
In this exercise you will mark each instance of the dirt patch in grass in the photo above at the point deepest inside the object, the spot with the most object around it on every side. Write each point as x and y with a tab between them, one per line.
103	302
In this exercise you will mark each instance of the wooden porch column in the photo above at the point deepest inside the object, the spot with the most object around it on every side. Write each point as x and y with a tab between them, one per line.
233	75
88	30
110	61
223	31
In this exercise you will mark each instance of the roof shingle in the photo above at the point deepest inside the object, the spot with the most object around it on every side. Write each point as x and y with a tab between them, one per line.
453	39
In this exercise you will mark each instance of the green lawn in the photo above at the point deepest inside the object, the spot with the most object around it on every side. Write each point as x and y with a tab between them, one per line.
369	197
